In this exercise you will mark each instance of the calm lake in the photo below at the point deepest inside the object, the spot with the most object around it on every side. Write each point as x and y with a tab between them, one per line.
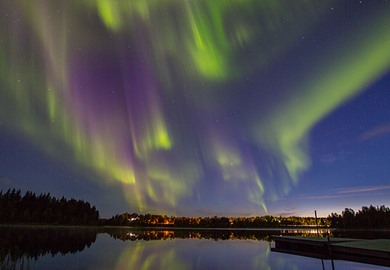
129	248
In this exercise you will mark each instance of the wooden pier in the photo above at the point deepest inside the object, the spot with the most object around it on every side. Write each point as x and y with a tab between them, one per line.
364	251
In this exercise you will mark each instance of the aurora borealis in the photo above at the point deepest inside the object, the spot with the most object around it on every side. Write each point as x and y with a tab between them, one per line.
194	107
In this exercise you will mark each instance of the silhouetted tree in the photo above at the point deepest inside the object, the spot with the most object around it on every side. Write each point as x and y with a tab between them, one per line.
44	209
367	217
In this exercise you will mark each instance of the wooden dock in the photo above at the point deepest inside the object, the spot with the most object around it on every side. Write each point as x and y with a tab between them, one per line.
365	251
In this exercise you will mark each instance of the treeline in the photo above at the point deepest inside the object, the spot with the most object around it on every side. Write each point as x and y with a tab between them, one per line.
30	208
149	220
367	217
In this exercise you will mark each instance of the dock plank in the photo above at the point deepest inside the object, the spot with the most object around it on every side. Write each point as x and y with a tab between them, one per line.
371	248
313	239
375	251
375	244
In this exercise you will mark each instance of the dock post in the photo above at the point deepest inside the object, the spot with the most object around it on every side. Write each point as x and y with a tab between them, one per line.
330	249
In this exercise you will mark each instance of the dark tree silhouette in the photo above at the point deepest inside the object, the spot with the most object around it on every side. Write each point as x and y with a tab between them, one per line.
367	217
44	209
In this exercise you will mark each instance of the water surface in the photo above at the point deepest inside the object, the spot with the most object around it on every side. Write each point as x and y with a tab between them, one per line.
126	248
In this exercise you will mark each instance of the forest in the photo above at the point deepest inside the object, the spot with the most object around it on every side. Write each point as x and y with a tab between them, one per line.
268	221
367	217
30	208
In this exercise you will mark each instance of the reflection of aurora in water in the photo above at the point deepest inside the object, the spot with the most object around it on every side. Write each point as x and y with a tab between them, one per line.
23	247
160	96
200	249
124	248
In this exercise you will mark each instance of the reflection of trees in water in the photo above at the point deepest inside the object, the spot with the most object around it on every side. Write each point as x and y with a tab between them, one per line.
163	234
9	263
22	245
142	254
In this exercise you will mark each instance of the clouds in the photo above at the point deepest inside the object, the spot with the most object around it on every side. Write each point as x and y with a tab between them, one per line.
376	132
330	158
363	189
356	191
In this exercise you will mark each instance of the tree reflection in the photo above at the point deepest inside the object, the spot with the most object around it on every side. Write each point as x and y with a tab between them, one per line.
210	249
163	234
21	246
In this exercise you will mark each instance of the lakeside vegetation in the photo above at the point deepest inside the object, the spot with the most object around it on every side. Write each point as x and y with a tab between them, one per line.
149	220
30	208
367	217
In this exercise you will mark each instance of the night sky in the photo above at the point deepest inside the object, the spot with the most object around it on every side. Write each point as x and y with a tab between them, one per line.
197	107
